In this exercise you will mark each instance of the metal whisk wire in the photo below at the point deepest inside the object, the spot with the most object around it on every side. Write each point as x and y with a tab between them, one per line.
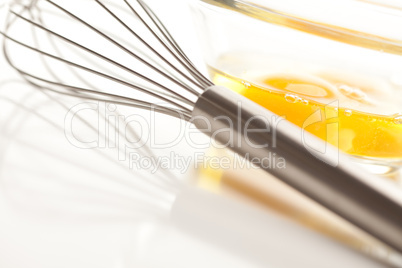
177	92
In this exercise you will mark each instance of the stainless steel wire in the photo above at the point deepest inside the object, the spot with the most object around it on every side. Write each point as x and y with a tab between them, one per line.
118	52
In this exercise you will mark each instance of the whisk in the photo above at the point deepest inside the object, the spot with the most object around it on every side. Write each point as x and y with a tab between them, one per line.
127	56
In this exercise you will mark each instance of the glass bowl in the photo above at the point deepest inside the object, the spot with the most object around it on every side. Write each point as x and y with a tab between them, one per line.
333	68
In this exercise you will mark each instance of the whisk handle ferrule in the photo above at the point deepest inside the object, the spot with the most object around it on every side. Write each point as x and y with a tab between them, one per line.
325	176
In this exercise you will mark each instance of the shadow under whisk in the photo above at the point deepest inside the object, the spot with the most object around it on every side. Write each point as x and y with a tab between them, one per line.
130	194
